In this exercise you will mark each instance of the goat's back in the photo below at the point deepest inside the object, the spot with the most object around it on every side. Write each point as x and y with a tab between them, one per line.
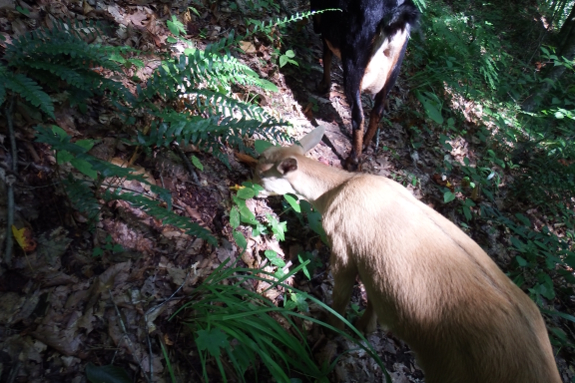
435	287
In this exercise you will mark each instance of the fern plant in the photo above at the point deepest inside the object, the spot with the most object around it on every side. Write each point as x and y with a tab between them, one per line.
58	58
202	82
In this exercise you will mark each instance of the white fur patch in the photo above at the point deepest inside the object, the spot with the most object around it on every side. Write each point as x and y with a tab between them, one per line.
385	54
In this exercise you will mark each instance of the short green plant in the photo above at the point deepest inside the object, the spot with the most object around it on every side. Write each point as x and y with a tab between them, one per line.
228	320
287	58
109	246
241	214
176	27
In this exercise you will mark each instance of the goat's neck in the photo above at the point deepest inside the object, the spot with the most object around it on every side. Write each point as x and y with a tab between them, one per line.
313	179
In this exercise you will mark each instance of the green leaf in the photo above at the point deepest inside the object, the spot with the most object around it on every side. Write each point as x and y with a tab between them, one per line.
86	144
84	167
305	270
278	228
246	216
59	132
63	156
523	219
466	212
175	26
283	61
545	290
246	193
432	109
117	248
137	63
290	54
211	340
259	229
267	85
234	217
293	202
2	89
559	314
522	262
240	240
106	374
97	252
300	301
117	57
23	11
255	187
519	246
197	163
261	145
194	10
558	333
274	259
448	196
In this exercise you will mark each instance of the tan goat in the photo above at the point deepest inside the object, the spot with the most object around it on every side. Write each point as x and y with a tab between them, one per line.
426	280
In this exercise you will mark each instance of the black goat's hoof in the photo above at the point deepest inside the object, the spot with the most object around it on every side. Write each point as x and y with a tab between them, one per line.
323	88
351	164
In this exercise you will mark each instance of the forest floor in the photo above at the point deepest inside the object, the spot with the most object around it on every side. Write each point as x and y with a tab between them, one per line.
62	308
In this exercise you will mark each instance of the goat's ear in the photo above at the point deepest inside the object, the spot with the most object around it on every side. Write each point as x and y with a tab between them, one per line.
287	165
312	138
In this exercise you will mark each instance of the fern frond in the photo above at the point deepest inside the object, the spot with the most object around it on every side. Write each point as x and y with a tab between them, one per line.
65	72
214	103
167	217
210	133
198	70
31	91
50	44
259	27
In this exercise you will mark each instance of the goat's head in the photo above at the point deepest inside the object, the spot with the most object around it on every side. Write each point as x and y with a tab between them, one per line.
277	166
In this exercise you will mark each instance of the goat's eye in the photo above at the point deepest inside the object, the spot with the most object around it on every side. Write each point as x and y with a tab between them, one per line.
262	168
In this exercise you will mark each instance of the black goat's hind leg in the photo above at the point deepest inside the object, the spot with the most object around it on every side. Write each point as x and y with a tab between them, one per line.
325	84
375	116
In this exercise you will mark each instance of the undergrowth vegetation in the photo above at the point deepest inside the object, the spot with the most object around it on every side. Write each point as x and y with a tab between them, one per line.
474	78
248	329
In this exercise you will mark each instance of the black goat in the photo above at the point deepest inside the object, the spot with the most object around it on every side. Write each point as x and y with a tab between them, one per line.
370	37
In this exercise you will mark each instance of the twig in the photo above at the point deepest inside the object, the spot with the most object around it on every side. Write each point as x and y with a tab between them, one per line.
157	308
128	340
187	162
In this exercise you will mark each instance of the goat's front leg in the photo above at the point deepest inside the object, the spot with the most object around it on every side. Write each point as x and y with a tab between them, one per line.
344	279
